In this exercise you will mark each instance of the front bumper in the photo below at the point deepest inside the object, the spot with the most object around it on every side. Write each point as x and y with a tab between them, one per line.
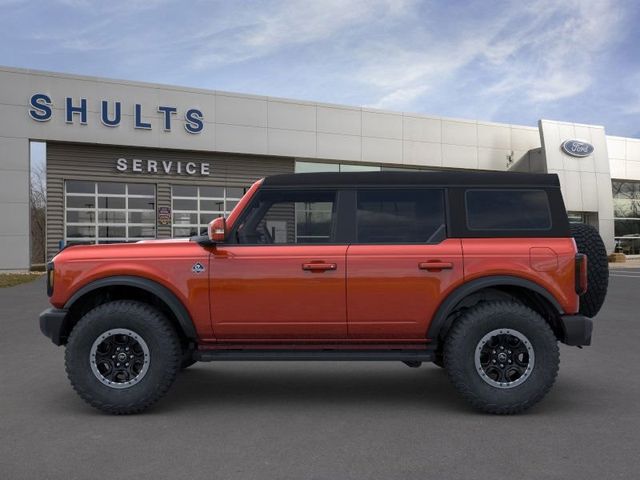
577	330
53	324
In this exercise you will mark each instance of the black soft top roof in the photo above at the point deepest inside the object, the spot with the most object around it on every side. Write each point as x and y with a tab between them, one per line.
502	179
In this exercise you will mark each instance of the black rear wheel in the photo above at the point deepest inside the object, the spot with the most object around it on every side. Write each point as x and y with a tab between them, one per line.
501	356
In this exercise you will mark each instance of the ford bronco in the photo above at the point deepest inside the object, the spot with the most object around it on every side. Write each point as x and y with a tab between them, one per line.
480	273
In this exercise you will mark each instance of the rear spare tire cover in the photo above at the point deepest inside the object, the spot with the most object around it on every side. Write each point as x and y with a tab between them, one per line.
590	243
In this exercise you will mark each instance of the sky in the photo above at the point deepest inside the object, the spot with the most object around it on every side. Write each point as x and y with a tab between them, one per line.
501	61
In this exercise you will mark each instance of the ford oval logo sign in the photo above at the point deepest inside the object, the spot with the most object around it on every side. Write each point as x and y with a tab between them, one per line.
577	148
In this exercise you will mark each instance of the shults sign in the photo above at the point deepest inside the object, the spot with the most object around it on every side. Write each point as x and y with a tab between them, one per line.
41	109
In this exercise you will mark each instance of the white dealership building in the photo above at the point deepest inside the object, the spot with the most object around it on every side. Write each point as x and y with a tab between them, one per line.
127	160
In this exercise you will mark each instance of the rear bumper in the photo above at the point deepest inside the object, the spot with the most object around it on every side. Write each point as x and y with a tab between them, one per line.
577	330
53	324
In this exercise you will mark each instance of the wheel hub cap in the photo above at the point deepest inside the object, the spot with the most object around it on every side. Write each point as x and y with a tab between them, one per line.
119	358
504	358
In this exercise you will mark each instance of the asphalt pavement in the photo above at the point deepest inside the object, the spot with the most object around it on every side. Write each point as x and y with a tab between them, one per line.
317	420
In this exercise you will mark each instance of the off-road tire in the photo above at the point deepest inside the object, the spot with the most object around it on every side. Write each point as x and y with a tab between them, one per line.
464	337
590	243
152	326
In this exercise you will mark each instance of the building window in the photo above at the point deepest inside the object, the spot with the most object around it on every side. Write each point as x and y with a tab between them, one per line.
109	212
626	212
195	206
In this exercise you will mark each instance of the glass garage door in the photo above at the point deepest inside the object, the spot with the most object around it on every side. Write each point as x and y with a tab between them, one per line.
195	206
109	212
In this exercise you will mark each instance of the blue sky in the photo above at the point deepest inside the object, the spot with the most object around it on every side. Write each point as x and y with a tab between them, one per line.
504	61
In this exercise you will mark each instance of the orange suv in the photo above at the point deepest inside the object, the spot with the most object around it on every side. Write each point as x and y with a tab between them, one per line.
480	273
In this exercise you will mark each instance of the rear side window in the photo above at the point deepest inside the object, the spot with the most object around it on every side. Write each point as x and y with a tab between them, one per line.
400	216
507	210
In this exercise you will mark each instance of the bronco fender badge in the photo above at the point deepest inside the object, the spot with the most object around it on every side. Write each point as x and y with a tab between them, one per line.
197	268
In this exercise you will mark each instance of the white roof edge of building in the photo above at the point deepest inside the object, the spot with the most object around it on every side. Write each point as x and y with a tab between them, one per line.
185	89
177	88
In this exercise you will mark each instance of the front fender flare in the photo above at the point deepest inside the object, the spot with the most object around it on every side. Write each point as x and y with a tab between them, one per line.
163	293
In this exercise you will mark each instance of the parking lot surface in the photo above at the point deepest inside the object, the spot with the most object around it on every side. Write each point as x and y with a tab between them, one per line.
321	420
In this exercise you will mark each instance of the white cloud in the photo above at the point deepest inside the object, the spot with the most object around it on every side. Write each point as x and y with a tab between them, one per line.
541	51
251	35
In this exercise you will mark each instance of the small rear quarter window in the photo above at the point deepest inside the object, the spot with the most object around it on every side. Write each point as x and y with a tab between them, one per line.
513	209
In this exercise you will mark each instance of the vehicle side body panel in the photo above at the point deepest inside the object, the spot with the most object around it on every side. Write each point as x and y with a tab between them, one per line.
394	290
168	264
278	292
547	262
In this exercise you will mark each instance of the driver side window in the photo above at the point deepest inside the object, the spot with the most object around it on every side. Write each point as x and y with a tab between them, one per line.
281	217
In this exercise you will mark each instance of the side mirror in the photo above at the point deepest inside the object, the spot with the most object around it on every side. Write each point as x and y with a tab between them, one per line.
217	230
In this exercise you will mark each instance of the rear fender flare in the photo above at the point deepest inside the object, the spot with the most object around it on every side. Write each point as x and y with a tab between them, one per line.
440	319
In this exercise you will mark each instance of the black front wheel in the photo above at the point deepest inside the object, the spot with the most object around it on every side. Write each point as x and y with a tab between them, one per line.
123	356
502	357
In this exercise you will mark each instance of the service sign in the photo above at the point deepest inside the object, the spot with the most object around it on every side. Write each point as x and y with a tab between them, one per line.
577	148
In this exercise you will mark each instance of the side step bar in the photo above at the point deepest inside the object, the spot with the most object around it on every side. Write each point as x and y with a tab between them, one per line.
314	355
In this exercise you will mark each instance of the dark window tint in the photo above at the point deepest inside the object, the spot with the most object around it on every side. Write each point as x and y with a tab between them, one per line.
508	210
400	216
285	217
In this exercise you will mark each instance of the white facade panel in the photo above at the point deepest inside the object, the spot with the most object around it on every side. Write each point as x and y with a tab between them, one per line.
459	133
617	147
424	154
339	147
291	116
494	136
587	187
633	150
345	121
458	156
524	138
422	129
381	125
14	254
492	158
241	139
250	112
381	150
291	143
13	153
618	168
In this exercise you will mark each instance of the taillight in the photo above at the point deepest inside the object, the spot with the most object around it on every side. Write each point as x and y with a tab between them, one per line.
581	273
